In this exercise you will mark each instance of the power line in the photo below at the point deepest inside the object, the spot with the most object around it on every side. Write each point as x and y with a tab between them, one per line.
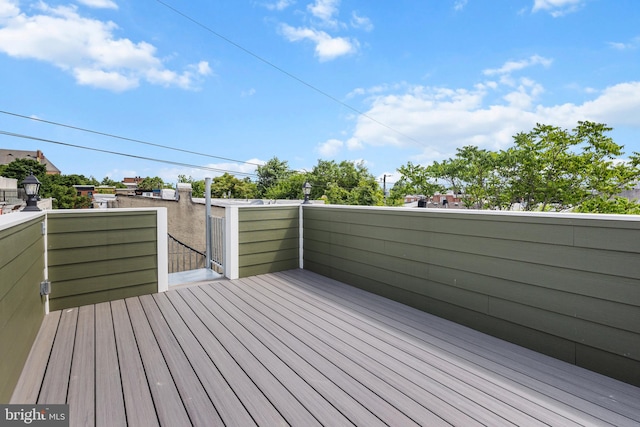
125	138
287	73
116	153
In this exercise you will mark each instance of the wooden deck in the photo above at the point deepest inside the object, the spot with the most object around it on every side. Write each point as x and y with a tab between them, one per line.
296	348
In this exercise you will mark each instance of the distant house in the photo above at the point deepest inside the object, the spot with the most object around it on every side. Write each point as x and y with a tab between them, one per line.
437	200
132	183
105	189
8	156
85	190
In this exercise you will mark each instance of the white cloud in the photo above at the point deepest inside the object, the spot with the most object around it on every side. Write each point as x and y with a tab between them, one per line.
99	4
632	44
557	7
511	66
320	22
104	79
459	5
617	105
330	148
354	144
88	49
8	9
436	120
203	68
246	93
361	22
279	5
327	47
324	10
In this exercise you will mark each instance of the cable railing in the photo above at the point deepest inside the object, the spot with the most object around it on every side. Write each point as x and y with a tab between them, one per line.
183	257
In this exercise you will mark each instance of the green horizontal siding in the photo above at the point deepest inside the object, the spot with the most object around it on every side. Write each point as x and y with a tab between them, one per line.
101	256
567	286
268	239
21	307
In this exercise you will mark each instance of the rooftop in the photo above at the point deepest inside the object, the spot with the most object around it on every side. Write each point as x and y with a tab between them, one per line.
8	156
298	348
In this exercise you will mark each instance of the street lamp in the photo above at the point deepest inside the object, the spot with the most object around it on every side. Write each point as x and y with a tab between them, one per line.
31	186
306	188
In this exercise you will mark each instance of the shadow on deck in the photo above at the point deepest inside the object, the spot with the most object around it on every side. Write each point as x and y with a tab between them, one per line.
297	348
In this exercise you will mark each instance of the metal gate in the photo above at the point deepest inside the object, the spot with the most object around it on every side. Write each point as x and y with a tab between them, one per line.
216	236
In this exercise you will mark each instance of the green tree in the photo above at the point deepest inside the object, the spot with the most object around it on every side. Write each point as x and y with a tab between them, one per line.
615	205
271	174
111	183
60	188
228	186
65	197
558	169
149	184
548	168
475	175
415	180
289	188
345	183
21	168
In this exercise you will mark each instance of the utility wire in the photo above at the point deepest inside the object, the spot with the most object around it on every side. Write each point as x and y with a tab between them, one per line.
238	46
287	73
125	138
116	153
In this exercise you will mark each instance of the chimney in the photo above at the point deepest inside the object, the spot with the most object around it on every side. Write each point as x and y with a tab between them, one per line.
39	156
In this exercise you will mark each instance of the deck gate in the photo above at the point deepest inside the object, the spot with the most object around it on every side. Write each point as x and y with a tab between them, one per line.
216	225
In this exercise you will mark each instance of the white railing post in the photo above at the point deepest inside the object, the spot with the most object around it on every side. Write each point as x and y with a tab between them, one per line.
301	234
231	243
163	249
207	198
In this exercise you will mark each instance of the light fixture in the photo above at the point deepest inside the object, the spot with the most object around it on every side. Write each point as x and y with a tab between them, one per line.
306	188
31	186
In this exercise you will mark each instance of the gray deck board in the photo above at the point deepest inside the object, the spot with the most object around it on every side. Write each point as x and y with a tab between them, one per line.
296	348
200	408
109	401
358	366
138	402
554	383
251	397
291	409
289	377
465	379
56	379
169	405
450	398
82	381
311	366
325	358
222	396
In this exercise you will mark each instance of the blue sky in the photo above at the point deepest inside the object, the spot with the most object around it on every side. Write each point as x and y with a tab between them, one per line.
375	81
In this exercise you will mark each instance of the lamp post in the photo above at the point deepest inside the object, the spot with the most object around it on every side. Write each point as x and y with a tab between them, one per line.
306	188
31	186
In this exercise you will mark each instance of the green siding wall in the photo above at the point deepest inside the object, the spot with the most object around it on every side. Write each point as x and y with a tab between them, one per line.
268	239
21	307
101	256
565	285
